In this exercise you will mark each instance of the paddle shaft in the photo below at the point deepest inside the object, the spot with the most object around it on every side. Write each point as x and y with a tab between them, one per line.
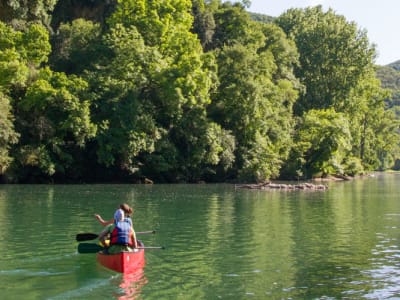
80	237
146	232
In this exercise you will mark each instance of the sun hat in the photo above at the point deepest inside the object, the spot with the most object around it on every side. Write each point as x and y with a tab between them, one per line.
119	215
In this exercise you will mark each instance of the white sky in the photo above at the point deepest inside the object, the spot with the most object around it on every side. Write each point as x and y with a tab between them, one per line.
379	17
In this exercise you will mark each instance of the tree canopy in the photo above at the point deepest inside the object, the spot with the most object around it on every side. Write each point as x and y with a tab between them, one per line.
187	91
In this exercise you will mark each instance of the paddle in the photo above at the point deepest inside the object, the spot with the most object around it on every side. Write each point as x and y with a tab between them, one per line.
94	248
80	237
86	236
89	248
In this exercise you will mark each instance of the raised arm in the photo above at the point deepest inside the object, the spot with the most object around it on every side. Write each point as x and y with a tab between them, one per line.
102	221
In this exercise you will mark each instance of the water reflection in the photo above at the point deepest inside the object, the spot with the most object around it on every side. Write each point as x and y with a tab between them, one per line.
130	284
385	261
220	243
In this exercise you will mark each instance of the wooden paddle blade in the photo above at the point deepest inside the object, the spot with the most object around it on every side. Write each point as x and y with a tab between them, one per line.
89	248
86	236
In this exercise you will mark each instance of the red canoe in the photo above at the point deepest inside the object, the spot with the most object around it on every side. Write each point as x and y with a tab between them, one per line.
124	262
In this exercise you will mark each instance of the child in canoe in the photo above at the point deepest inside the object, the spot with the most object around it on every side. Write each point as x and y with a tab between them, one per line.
120	234
128	211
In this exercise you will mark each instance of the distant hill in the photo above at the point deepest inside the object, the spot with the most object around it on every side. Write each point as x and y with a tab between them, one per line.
395	65
261	17
390	78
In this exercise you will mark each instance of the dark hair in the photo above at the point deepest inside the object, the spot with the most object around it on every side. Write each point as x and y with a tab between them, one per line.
126	208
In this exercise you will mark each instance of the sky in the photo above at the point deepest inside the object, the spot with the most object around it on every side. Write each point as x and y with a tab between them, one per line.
379	18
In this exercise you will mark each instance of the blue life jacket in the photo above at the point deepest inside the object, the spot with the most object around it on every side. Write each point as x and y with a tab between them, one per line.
122	233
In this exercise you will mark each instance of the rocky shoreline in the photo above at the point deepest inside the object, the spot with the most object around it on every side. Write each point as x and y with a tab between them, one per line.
282	186
300	186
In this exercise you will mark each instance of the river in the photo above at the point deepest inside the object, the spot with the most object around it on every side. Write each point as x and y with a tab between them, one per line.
220	242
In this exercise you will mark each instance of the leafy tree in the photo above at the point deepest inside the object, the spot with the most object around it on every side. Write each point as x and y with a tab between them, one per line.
50	117
336	67
204	23
231	26
322	143
284	51
157	82
77	46
21	53
256	108
34	45
256	92
334	56
154	20
181	90
18	52
126	124
54	122
8	136
374	129
20	13
13	68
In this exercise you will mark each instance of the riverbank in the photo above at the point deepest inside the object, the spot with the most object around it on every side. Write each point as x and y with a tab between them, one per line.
317	186
282	186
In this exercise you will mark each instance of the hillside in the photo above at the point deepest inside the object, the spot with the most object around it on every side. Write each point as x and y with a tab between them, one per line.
261	17
395	65
390	78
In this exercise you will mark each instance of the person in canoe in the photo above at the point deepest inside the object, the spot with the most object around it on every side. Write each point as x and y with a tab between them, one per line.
120	234
127	211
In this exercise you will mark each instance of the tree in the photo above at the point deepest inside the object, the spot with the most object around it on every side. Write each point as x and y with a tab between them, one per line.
8	136
375	129
204	23
322	143
256	108
336	67
231	26
50	116
54	122
20	13
154	20
156	85
256	93
21	53
334	56
13	68
34	45
76	47
125	117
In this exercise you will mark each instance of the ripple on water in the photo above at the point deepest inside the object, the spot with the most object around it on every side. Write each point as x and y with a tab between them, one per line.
24	272
385	276
80	292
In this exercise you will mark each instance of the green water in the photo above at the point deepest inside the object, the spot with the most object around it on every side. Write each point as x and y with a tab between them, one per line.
221	242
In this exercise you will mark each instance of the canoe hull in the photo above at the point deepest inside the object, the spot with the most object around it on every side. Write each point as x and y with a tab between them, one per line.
124	262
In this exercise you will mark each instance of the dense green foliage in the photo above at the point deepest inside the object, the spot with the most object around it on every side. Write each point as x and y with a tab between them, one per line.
336	68
261	18
390	78
183	90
